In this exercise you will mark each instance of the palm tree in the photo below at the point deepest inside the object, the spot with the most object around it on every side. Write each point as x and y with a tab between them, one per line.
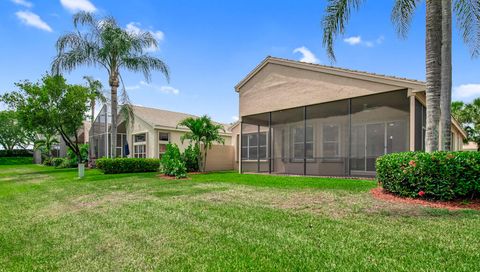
95	94
446	75
107	45
46	143
203	131
468	17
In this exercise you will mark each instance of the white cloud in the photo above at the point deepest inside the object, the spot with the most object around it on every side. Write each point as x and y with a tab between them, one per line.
163	89
466	92
353	40
135	28
133	87
32	19
357	40
235	118
23	3
78	5
307	55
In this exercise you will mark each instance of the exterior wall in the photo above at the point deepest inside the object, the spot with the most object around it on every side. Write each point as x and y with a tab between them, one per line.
294	87
220	157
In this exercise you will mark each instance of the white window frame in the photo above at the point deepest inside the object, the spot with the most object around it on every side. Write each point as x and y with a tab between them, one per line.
293	130
143	143
163	142
337	142
258	151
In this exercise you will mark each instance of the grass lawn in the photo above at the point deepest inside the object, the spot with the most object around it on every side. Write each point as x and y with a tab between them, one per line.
49	220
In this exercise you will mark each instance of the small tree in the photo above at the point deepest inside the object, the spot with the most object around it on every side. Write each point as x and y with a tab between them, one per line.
46	143
469	116
52	104
203	131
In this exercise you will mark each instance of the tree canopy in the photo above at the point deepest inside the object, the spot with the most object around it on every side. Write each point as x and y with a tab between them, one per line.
12	134
51	105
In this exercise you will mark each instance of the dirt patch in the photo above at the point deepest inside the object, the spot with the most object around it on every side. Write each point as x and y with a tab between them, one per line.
90	202
380	194
163	176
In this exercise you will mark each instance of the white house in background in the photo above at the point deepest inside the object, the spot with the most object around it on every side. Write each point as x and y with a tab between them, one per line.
148	136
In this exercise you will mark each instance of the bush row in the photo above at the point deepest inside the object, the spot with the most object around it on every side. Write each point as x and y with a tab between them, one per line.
437	175
16	153
127	165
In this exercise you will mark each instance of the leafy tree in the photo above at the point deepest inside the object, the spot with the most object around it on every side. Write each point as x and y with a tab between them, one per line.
51	104
438	31
12	134
469	116
203	131
103	43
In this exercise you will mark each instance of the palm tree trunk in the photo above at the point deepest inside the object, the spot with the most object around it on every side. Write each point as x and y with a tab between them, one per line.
92	119
205	161
446	90
114	83
433	46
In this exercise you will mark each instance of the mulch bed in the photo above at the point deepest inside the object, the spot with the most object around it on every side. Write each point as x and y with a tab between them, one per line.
379	193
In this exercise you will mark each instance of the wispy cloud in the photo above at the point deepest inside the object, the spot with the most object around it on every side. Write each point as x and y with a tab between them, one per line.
357	40
235	118
31	19
307	55
78	5
466	92
149	86
134	27
23	3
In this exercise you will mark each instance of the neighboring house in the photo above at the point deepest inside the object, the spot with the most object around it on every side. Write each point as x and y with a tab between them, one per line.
308	119
470	146
60	150
149	134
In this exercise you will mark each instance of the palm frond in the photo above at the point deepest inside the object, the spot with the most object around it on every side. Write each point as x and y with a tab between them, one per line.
145	64
402	14
468	20
337	15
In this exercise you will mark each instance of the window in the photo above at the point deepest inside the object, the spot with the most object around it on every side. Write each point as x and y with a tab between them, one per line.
331	141
298	145
164	136
252	148
163	140
140	138
139	151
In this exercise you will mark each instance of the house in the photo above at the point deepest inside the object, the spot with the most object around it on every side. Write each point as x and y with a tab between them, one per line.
60	150
148	135
308	119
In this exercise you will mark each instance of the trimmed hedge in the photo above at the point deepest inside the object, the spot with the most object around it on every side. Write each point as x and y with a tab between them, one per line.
127	165
439	175
16	153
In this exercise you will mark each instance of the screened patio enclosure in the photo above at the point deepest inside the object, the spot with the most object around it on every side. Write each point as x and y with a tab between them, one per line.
339	138
100	136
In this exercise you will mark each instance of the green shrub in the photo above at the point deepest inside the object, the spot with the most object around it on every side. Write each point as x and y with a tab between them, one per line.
67	163
16	153
437	175
127	165
56	161
172	163
83	152
47	162
190	156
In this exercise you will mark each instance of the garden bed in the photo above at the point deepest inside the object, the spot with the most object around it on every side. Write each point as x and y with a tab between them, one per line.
381	194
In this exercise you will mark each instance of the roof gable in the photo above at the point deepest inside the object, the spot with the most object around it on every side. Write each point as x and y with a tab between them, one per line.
372	77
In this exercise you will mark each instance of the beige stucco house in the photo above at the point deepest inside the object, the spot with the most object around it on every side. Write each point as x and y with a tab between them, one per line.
309	119
150	132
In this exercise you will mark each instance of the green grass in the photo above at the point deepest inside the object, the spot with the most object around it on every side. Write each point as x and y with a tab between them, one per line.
50	220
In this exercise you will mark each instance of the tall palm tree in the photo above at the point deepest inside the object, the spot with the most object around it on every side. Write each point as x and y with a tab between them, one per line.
203	131
446	75
103	43
95	94
468	17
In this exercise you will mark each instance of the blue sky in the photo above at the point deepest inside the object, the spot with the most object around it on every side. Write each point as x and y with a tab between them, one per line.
211	45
